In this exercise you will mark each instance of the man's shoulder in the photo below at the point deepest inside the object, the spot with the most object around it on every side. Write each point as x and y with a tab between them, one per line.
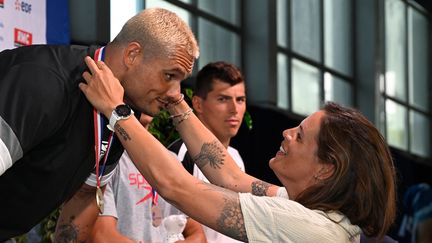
61	62
33	52
234	153
236	157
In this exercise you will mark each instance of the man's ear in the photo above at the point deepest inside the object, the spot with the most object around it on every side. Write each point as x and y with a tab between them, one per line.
132	53
196	104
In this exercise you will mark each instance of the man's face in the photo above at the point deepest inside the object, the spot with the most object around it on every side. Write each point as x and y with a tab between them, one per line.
223	109
148	83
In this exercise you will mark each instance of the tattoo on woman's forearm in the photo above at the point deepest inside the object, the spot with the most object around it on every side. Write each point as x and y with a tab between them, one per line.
122	132
212	154
260	188
231	221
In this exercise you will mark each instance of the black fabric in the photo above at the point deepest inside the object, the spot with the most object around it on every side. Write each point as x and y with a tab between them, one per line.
187	161
41	102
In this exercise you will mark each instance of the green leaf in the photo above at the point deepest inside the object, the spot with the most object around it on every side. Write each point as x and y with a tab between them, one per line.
248	120
189	93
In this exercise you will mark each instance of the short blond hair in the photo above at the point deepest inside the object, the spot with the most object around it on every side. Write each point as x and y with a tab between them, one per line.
160	32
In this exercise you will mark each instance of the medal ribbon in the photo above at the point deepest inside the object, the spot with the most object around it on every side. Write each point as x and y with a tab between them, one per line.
154	197
99	127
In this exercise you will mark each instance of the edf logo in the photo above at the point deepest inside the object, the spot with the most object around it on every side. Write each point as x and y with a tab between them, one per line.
23	6
22	38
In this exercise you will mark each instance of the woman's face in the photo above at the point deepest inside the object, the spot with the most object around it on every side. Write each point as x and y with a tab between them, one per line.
296	163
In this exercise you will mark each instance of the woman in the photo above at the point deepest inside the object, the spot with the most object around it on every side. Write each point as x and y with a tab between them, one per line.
335	167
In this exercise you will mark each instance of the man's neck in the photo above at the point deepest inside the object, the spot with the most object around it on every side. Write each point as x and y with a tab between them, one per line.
113	59
225	142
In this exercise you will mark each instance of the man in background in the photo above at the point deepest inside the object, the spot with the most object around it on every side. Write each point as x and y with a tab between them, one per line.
219	101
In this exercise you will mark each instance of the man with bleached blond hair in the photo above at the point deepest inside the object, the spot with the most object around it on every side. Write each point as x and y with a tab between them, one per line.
55	149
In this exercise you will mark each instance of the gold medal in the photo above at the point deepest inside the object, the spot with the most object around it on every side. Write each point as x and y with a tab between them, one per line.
156	215
99	199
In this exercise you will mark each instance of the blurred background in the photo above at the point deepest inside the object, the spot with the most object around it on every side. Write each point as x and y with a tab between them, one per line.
373	55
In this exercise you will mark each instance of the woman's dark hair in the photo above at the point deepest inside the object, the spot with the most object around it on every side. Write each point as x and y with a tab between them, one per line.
362	186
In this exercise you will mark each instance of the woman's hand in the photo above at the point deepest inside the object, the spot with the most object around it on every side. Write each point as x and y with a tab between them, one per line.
102	89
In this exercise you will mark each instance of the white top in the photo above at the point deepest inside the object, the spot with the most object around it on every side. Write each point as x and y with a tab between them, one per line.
212	235
279	219
128	197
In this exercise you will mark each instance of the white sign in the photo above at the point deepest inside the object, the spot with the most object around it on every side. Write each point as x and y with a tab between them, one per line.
22	22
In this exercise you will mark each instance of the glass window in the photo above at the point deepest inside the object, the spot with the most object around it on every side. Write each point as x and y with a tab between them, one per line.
382	117
282	81
337	35
337	90
396	116
282	35
217	43
305	88
407	77
418	59
419	128
395	49
120	12
182	13
305	26
227	10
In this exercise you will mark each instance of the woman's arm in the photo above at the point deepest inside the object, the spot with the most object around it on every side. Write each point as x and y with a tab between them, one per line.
207	152
212	158
211	205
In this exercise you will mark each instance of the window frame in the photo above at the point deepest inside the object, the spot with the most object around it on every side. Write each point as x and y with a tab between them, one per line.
406	104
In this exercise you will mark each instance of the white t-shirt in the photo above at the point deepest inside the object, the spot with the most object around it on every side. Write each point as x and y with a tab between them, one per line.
279	219
129	198
212	235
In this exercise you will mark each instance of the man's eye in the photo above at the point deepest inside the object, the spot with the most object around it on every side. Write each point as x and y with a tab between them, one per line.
169	76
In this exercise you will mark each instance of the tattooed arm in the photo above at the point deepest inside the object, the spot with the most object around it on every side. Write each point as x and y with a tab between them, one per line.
77	216
211	205
229	220
105	92
213	159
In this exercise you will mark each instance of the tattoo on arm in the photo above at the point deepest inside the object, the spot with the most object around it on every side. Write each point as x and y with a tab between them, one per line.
212	154
260	188
230	221
69	228
122	132
67	233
